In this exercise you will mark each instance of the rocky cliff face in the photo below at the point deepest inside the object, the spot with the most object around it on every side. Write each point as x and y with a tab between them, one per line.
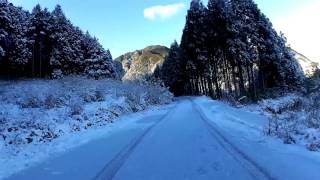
141	63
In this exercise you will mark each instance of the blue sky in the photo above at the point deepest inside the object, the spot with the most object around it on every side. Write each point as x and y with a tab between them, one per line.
127	25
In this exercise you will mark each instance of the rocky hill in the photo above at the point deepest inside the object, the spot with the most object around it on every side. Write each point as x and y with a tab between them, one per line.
141	63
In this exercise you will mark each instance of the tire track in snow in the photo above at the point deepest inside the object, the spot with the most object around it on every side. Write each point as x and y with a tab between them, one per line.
255	170
112	168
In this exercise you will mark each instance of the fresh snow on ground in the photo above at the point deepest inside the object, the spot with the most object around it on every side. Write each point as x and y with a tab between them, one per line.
293	118
35	154
193	138
244	128
40	118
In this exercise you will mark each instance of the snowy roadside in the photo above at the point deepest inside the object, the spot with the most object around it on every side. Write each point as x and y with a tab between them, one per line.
245	127
39	118
293	118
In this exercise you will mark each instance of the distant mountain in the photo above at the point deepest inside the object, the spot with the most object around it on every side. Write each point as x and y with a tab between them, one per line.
141	63
307	65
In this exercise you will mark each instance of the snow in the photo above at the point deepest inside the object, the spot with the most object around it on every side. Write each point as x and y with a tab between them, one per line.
42	118
293	118
67	146
192	138
276	105
180	147
243	127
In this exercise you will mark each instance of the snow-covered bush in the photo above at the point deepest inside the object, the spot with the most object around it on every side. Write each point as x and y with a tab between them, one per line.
38	111
284	127
76	109
95	96
288	103
314	111
294	118
53	101
57	74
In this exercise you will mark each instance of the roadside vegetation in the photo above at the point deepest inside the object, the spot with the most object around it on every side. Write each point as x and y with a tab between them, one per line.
39	111
294	117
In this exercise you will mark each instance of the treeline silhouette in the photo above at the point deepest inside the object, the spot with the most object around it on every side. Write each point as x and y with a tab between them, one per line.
47	44
229	49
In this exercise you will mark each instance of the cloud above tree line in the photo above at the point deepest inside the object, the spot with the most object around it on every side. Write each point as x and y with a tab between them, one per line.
163	11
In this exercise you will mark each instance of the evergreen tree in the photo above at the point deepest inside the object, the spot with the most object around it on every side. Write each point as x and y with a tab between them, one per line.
44	44
40	31
98	61
216	26
14	44
230	50
66	56
242	44
172	72
192	43
20	51
277	65
290	69
4	34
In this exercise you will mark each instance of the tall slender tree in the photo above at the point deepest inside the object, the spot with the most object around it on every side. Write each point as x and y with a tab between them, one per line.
191	44
40	32
20	51
172	72
216	26
66	55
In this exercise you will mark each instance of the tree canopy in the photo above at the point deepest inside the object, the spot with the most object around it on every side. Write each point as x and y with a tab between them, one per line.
47	44
229	49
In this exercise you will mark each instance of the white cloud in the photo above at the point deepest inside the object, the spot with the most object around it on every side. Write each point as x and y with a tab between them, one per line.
302	30
163	11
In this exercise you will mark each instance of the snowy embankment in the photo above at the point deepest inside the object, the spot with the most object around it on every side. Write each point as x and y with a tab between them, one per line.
244	128
41	117
295	119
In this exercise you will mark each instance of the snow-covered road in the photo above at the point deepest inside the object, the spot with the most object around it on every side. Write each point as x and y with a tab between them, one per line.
195	139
